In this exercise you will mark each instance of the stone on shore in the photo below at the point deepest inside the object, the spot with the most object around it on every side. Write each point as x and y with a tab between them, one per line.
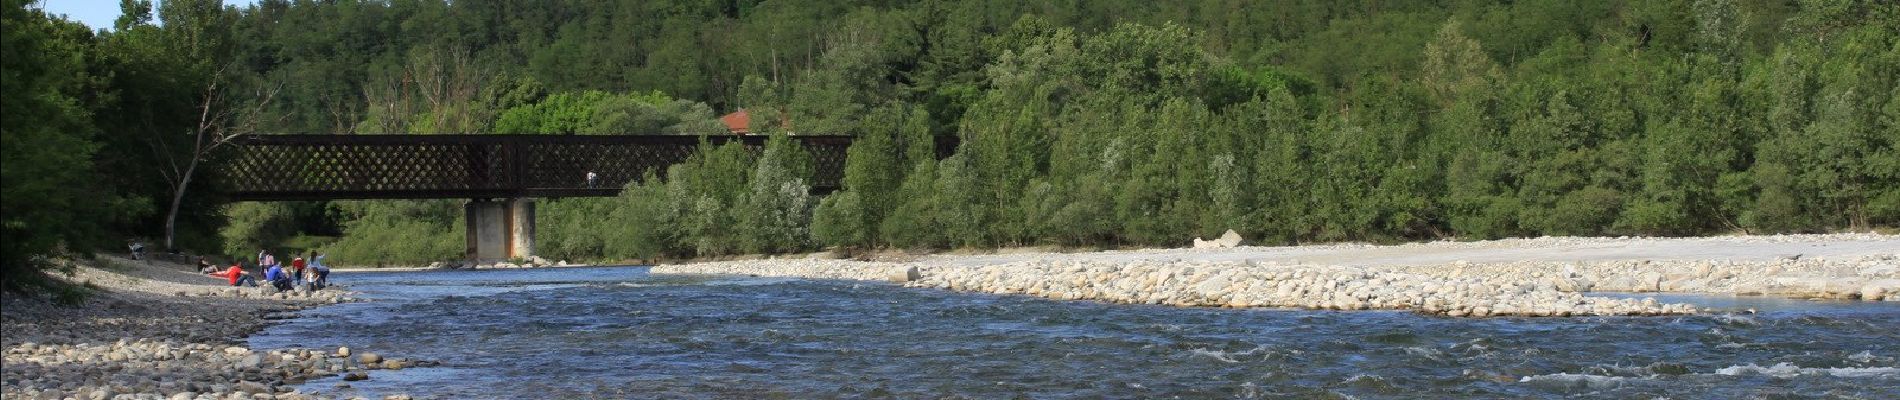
907	274
1458	289
140	339
1229	239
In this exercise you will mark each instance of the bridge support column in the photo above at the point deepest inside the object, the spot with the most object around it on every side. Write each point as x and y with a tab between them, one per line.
499	230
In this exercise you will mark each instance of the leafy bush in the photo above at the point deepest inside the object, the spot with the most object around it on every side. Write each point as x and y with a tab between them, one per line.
401	232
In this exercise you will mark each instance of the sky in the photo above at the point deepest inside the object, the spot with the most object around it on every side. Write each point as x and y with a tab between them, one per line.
94	13
98	14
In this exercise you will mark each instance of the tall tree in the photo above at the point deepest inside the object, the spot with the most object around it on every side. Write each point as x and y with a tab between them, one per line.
48	198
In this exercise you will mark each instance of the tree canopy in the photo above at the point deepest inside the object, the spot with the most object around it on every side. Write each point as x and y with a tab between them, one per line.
1090	123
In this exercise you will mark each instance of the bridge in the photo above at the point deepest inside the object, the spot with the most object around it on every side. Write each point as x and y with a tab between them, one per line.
340	167
500	175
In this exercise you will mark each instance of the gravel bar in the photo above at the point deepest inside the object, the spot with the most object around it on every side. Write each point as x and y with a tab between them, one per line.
1541	277
161	331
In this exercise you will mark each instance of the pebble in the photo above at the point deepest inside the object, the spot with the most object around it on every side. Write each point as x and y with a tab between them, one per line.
142	340
1457	289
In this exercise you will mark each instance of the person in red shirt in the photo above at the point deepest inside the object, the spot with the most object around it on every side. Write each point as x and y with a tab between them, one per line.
236	275
296	271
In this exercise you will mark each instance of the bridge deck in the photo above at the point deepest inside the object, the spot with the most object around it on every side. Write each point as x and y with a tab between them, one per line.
326	167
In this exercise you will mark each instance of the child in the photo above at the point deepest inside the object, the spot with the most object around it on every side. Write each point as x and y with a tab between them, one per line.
296	270
309	279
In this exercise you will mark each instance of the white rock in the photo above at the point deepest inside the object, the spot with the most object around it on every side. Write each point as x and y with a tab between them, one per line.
907	274
1229	239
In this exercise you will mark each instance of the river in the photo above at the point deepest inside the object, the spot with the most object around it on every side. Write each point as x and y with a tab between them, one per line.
618	332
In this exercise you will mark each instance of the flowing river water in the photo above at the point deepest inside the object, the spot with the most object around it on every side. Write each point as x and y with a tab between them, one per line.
618	332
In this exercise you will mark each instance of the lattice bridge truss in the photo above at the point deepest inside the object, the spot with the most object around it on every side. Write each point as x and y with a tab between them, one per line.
335	167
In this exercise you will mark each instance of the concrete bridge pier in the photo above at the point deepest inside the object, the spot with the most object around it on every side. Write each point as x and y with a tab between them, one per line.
500	230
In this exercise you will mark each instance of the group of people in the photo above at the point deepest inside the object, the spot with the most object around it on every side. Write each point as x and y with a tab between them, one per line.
312	274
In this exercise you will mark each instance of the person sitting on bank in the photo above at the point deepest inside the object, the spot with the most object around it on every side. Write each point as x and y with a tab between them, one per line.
205	266
236	275
322	271
277	277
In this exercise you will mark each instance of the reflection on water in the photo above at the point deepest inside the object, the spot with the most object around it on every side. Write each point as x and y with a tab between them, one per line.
617	332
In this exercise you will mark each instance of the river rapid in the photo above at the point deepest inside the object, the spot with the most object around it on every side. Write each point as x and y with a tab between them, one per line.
618	332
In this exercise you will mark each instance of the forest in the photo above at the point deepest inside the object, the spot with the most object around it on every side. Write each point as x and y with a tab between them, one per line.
1099	123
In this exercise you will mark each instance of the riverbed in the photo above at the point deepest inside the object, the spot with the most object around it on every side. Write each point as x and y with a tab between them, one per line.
620	332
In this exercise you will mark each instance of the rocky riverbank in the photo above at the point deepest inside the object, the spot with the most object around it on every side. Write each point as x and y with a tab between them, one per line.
1550	277
160	331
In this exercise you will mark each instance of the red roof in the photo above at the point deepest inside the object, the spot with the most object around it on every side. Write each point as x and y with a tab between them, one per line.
738	122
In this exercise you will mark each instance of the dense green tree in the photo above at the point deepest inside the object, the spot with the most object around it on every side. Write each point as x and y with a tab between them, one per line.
643	222
49	200
398	232
580	229
775	214
256	225
711	187
915	221
839	220
1098	123
597	112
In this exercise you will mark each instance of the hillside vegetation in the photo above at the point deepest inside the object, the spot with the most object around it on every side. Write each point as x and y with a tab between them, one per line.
1090	123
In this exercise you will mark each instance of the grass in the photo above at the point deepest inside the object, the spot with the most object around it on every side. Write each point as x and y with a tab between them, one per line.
298	246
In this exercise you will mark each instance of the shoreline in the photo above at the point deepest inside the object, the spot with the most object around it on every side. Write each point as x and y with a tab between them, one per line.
426	269
1541	277
157	330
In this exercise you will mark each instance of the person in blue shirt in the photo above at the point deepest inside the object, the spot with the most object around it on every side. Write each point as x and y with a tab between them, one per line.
277	278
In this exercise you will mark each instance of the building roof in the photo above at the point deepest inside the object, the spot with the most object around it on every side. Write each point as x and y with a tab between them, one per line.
739	122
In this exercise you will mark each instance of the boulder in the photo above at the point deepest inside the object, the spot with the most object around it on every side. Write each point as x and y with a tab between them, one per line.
908	274
1229	239
369	358
251	361
1873	292
251	387
1572	284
